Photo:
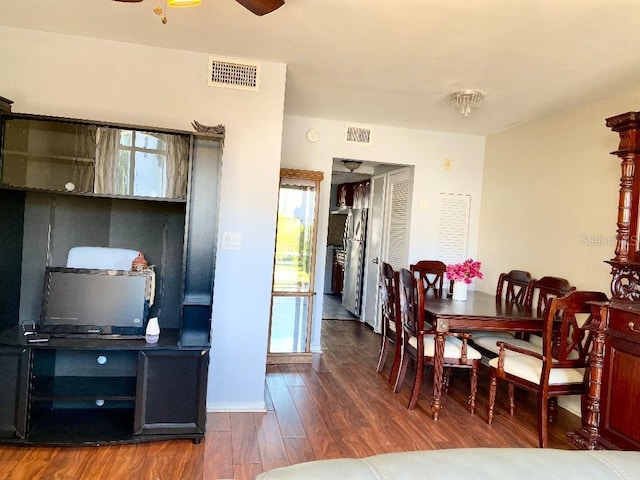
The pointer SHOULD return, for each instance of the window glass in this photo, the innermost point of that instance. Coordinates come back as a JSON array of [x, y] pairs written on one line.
[[142, 168], [149, 174]]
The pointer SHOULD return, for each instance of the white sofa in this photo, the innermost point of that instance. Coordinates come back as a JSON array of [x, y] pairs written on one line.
[[471, 464]]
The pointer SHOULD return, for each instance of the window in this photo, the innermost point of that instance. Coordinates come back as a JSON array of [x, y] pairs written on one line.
[[142, 164]]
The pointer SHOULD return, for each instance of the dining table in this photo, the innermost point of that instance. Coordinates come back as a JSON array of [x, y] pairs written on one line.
[[479, 312]]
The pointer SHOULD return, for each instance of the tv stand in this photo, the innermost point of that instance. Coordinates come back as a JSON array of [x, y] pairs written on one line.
[[54, 196], [92, 391]]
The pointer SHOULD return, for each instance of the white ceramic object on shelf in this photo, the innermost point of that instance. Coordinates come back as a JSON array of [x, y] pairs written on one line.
[[153, 330]]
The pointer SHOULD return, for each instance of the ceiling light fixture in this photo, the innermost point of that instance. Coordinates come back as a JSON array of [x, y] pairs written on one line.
[[465, 100], [159, 10], [351, 164], [183, 3]]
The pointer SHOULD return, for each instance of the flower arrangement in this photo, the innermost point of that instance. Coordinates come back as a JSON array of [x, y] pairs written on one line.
[[465, 271]]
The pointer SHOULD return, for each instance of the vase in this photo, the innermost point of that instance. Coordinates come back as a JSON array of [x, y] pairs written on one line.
[[460, 291]]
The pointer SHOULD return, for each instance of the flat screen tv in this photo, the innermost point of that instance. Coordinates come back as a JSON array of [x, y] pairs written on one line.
[[95, 302]]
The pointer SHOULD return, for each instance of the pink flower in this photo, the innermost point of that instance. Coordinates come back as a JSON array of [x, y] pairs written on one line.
[[464, 272]]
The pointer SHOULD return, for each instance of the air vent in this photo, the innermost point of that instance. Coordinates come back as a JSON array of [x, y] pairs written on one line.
[[229, 73], [356, 134]]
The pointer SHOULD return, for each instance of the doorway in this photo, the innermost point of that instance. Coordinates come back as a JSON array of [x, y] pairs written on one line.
[[387, 236], [293, 289]]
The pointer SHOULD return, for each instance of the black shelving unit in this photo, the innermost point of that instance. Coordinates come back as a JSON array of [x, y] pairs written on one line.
[[94, 390]]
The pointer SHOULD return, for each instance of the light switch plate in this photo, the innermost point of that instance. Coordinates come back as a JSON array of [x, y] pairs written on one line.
[[231, 240]]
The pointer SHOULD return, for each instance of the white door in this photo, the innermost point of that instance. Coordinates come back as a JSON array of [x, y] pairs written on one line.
[[395, 244], [392, 235], [374, 251]]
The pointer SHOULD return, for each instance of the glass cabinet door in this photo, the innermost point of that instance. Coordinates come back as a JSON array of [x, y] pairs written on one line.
[[63, 155], [294, 262], [48, 155]]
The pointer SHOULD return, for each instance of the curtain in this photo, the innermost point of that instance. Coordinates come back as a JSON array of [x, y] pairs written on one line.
[[84, 156], [107, 159], [177, 165]]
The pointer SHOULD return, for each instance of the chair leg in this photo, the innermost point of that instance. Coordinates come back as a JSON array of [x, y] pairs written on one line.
[[474, 388], [553, 409], [417, 383], [397, 360], [383, 353], [446, 380], [512, 398], [401, 372], [492, 396], [542, 420]]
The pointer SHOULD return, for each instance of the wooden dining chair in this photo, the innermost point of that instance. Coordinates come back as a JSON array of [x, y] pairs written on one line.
[[419, 343], [511, 292], [559, 369], [537, 297], [432, 273], [391, 327], [513, 286]]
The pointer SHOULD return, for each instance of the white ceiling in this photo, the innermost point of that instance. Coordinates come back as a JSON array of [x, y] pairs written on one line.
[[392, 62]]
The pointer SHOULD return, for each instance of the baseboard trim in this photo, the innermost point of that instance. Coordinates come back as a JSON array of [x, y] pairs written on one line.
[[237, 407], [285, 358]]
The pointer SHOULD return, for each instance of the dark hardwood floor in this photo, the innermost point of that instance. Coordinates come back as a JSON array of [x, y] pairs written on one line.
[[337, 407]]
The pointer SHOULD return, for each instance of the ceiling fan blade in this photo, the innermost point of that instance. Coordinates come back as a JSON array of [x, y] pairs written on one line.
[[261, 7]]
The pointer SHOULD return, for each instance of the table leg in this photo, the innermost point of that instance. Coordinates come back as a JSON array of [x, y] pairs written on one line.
[[438, 370]]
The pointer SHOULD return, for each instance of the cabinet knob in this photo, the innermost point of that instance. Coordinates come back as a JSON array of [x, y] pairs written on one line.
[[632, 327]]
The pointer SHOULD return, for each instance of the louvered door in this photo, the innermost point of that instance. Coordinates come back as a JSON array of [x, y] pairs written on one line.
[[390, 198], [454, 227], [396, 232]]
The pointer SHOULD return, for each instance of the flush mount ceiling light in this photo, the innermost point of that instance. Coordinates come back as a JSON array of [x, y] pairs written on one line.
[[183, 3], [351, 164], [465, 100]]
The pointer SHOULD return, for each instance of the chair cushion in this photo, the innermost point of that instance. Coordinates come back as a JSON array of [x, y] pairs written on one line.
[[490, 344], [530, 369], [452, 347], [486, 333]]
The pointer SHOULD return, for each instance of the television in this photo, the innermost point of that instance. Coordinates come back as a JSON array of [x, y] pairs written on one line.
[[79, 301]]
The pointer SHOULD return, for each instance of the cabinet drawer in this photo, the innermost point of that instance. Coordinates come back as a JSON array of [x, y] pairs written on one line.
[[624, 323]]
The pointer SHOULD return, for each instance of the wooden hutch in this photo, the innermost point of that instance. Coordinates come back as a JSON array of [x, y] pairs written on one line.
[[609, 417]]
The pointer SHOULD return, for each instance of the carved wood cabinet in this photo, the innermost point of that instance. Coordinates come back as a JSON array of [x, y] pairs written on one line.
[[619, 420], [610, 418]]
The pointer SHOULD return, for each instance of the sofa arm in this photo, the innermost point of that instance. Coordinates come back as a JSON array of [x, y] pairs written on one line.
[[470, 464]]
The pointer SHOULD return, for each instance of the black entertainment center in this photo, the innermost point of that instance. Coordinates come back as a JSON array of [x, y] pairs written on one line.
[[95, 380]]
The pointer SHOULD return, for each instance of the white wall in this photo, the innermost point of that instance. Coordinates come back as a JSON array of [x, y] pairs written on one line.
[[424, 149], [77, 77], [551, 196]]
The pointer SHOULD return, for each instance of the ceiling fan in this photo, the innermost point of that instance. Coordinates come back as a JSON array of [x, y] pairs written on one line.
[[258, 7]]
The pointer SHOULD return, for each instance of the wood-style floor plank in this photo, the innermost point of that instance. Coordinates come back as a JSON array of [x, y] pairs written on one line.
[[218, 457], [283, 405], [273, 453], [244, 439], [338, 406], [99, 464]]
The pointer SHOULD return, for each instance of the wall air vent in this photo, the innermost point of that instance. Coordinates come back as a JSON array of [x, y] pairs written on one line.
[[355, 134], [232, 73]]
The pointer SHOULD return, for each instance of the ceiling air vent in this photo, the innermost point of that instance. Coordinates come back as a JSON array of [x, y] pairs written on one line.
[[356, 134], [231, 73]]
